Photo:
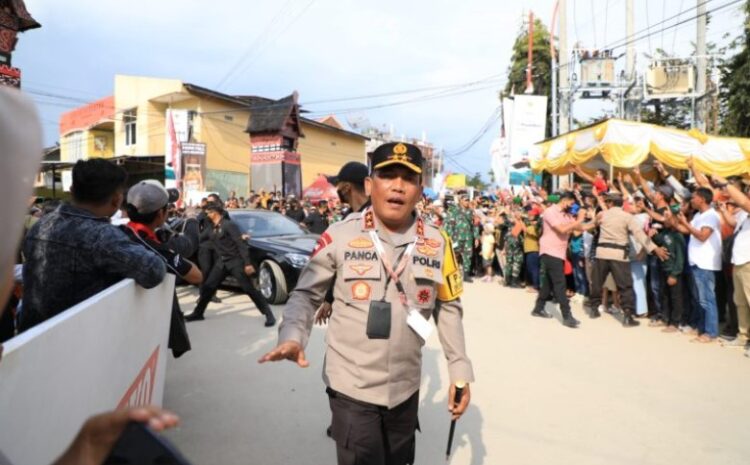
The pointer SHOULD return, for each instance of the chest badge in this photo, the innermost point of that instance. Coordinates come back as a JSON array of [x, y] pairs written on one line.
[[361, 243], [423, 296], [426, 250], [360, 291], [360, 269]]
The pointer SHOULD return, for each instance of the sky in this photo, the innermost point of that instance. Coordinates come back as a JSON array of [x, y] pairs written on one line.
[[333, 49]]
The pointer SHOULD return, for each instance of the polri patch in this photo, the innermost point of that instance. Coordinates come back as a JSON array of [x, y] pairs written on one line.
[[424, 261]]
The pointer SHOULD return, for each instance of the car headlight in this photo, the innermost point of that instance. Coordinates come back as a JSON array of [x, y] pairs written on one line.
[[297, 260]]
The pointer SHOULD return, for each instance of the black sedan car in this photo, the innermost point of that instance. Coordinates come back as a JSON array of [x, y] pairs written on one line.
[[279, 248]]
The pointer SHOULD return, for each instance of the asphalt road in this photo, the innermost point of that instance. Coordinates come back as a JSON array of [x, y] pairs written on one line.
[[544, 394]]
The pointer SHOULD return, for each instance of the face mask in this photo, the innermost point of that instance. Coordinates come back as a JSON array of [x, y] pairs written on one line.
[[342, 195]]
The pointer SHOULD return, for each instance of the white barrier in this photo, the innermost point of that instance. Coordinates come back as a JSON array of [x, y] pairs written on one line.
[[106, 352]]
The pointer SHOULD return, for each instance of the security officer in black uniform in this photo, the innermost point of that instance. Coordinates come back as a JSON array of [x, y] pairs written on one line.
[[234, 259]]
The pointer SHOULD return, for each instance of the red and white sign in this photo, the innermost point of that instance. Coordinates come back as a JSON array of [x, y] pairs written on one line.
[[107, 352]]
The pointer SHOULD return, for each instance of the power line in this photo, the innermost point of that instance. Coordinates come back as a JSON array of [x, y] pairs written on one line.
[[674, 39], [626, 39], [401, 92], [254, 45], [268, 38], [435, 96], [494, 116], [677, 24]]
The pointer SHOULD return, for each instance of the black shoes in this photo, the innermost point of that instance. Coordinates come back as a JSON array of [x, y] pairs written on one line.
[[594, 313], [541, 314], [628, 321], [270, 319], [467, 278], [195, 317], [215, 300], [570, 322]]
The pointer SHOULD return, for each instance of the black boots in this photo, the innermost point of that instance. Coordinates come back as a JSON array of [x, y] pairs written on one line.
[[628, 321]]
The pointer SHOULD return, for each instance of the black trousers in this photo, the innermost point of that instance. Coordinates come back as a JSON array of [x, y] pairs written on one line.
[[221, 270], [623, 280], [672, 302], [207, 257], [368, 434], [552, 282]]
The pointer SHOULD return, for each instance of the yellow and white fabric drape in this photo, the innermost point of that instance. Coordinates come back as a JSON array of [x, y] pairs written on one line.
[[627, 144]]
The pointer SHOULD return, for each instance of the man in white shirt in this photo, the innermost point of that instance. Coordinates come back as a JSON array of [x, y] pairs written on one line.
[[704, 257], [740, 262]]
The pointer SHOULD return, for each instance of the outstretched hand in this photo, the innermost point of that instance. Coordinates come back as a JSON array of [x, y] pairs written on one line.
[[287, 350], [100, 433]]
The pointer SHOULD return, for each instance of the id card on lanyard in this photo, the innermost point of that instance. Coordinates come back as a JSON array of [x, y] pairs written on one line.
[[414, 319]]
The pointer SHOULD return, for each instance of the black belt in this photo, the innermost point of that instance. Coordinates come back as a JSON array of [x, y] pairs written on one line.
[[613, 246], [625, 248]]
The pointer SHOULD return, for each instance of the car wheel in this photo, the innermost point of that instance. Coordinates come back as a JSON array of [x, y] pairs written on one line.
[[271, 282]]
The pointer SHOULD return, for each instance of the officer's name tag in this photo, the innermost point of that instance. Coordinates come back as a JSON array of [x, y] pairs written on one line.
[[417, 322]]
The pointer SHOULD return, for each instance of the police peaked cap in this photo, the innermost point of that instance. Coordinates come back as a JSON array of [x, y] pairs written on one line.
[[397, 153]]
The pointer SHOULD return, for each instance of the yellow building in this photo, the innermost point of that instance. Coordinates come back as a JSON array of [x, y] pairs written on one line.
[[326, 147], [147, 117]]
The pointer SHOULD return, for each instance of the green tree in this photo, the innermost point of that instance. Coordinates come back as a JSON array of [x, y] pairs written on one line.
[[734, 92], [541, 75], [476, 182]]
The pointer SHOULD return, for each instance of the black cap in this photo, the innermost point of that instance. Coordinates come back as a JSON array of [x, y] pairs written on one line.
[[353, 172], [399, 153]]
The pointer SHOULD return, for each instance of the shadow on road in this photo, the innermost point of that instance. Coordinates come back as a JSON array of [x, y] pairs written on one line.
[[434, 420]]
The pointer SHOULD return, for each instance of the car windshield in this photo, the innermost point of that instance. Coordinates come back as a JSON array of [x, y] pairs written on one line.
[[266, 224]]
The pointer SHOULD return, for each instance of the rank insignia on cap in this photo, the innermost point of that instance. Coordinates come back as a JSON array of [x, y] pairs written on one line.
[[392, 153], [429, 273], [360, 291]]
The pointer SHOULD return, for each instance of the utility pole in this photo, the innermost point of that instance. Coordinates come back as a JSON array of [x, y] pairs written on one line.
[[564, 68], [699, 117], [530, 57], [627, 108], [554, 67], [629, 30]]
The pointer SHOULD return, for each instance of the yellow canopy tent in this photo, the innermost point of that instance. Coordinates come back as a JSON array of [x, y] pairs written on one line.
[[626, 144]]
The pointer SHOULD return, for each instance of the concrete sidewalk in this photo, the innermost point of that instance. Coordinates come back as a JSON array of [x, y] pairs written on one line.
[[545, 394]]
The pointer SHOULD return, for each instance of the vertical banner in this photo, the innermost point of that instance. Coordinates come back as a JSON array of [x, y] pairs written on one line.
[[175, 132], [499, 160], [528, 126]]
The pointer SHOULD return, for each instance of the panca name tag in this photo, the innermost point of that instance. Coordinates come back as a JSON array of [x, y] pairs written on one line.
[[417, 322]]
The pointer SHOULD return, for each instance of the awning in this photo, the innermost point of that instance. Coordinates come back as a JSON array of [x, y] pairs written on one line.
[[627, 144], [320, 189]]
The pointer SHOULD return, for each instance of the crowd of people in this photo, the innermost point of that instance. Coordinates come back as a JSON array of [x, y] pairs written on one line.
[[677, 253]]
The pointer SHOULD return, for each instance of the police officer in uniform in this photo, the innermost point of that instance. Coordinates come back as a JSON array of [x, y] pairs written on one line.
[[392, 273], [615, 224]]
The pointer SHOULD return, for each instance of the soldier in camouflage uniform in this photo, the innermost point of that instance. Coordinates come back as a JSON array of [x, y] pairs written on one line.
[[513, 249], [464, 233]]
